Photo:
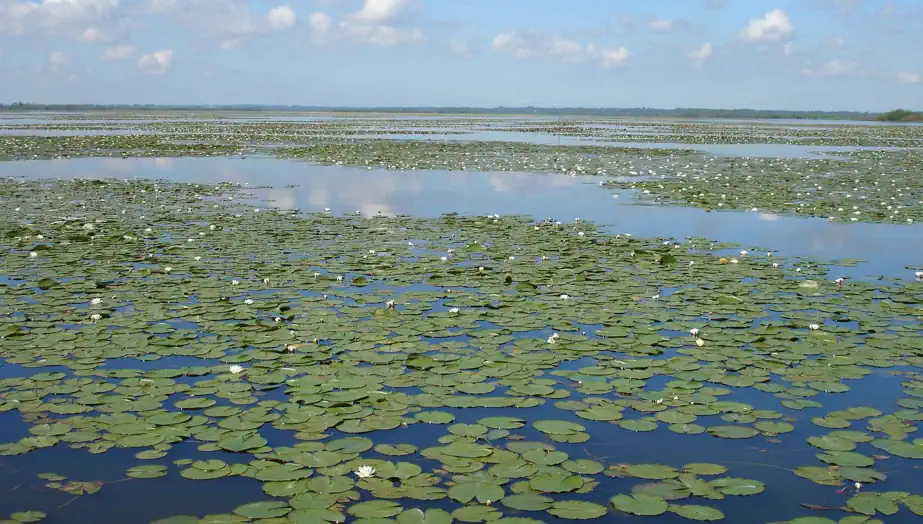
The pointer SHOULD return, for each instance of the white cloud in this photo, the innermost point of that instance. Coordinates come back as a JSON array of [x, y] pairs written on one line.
[[230, 23], [280, 18], [532, 43], [702, 54], [367, 26], [92, 34], [320, 23], [836, 42], [835, 67], [908, 77], [661, 26], [772, 27], [65, 17], [380, 35], [614, 57], [57, 60], [118, 52], [379, 11], [156, 63], [460, 48]]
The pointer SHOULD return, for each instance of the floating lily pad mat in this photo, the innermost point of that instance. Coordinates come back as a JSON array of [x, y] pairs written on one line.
[[454, 369], [844, 173]]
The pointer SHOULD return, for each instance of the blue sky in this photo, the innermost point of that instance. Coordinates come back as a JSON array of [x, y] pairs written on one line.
[[780, 54]]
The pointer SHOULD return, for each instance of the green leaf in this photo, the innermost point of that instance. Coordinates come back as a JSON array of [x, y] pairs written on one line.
[[577, 510], [638, 504], [693, 512]]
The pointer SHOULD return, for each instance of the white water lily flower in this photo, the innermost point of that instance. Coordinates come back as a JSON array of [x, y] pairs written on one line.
[[694, 331], [167, 269], [692, 262], [743, 253], [96, 316], [96, 301], [734, 261], [565, 297], [365, 472], [212, 227], [265, 280], [919, 275], [699, 342], [236, 369], [33, 254], [814, 327], [453, 310], [581, 234], [40, 237], [249, 301], [858, 486], [339, 278], [235, 282], [775, 264], [840, 281], [148, 230], [197, 258]]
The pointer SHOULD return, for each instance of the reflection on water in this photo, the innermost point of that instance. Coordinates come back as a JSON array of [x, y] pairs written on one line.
[[888, 248]]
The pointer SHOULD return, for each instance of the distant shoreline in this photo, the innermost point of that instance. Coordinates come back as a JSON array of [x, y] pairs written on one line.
[[700, 113]]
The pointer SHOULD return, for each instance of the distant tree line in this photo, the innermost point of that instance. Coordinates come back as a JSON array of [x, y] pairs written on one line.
[[901, 115], [530, 110]]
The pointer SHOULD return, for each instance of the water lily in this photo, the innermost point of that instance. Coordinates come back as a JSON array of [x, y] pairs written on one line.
[[249, 301], [96, 301], [743, 253], [33, 254], [235, 282], [291, 348], [212, 227], [734, 261], [453, 310], [96, 316], [365, 472], [265, 280], [167, 269], [564, 297], [236, 369], [814, 327], [694, 331], [919, 275], [390, 305], [339, 278], [699, 342], [840, 281]]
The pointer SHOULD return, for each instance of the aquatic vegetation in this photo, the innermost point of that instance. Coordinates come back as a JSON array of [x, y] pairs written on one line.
[[662, 162], [355, 369]]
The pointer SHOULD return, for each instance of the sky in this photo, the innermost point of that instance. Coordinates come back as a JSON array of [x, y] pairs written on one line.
[[780, 54]]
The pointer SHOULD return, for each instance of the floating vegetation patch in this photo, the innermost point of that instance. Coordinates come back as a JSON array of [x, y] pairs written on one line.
[[649, 157], [454, 369]]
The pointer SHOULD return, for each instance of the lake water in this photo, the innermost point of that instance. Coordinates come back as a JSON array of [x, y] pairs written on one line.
[[889, 249], [309, 188]]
